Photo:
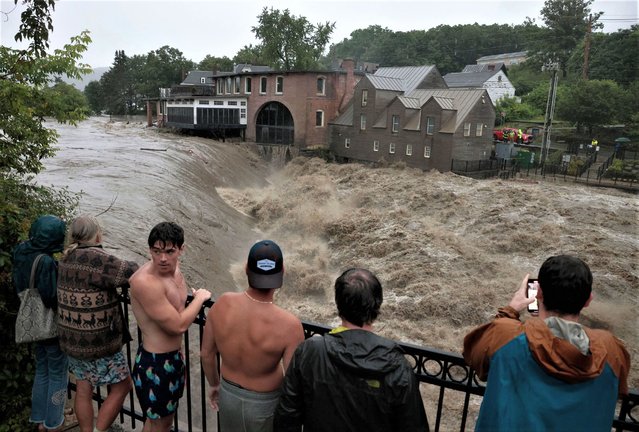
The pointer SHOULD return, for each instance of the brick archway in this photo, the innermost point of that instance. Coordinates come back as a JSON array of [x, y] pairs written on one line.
[[274, 125]]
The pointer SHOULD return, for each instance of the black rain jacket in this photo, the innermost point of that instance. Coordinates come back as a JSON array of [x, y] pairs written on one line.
[[351, 381]]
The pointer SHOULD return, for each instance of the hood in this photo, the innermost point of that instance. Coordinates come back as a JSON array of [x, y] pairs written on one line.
[[562, 359], [47, 234], [362, 350]]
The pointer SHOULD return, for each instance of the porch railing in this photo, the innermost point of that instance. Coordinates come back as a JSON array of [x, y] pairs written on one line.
[[442, 373]]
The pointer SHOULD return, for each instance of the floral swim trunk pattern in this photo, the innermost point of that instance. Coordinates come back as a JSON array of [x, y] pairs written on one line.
[[159, 381], [103, 371]]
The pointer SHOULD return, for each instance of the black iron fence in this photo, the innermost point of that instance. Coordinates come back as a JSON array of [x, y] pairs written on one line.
[[444, 374]]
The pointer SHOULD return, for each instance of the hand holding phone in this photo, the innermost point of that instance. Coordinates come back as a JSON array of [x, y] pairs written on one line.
[[531, 292]]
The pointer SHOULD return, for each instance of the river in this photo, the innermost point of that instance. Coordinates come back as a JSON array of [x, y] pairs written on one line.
[[135, 177]]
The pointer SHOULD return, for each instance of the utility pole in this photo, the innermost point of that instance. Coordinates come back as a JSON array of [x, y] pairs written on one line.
[[587, 49], [550, 109]]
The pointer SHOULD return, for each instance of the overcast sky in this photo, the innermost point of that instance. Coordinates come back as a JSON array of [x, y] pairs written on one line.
[[221, 27]]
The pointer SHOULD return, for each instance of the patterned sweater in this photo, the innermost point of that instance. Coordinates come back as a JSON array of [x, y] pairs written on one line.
[[90, 321]]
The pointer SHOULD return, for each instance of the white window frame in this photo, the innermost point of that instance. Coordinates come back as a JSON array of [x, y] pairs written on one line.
[[395, 124], [409, 149], [248, 85], [219, 86], [430, 125], [322, 80], [375, 145], [321, 114], [391, 148], [237, 85], [479, 129], [229, 85], [364, 97], [362, 122], [279, 85], [263, 85], [427, 151], [467, 127], [347, 143], [202, 80]]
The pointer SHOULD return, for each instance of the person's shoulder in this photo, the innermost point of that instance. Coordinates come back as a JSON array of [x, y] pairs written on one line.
[[144, 281], [288, 318]]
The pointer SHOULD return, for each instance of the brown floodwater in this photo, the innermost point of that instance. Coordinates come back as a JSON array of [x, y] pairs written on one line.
[[449, 250]]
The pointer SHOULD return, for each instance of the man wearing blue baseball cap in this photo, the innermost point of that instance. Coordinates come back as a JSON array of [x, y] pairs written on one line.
[[255, 339]]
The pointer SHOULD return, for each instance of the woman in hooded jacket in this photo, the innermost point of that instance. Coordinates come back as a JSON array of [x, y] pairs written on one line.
[[48, 397]]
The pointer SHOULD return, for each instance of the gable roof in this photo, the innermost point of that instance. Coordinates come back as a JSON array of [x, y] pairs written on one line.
[[505, 56], [460, 100], [245, 67], [194, 77], [386, 83], [485, 67], [467, 79], [411, 76]]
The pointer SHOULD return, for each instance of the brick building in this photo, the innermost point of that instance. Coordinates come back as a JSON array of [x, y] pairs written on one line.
[[258, 104]]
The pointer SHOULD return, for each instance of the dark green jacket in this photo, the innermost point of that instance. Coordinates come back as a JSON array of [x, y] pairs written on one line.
[[46, 236]]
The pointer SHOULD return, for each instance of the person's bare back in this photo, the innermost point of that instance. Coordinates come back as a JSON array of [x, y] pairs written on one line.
[[255, 340]]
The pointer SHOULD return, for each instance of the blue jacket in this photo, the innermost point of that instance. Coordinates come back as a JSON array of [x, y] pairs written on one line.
[[46, 236], [537, 381]]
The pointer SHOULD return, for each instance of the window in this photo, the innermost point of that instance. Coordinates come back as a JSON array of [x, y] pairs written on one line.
[[347, 142], [430, 125], [321, 85], [263, 85], [232, 103], [479, 130], [364, 97], [319, 118], [236, 89], [391, 148], [202, 80], [243, 103], [229, 83], [499, 78], [395, 127], [279, 85], [247, 85], [218, 102], [220, 86], [243, 113], [362, 122], [203, 102], [466, 129], [409, 149], [375, 145], [427, 151]]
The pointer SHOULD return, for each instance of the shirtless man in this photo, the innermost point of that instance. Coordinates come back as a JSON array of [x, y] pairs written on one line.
[[158, 298], [256, 341]]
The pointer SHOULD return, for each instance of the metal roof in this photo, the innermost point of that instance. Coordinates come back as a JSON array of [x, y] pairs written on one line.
[[503, 56], [460, 100], [386, 83], [409, 102], [411, 76], [244, 68], [346, 118], [486, 67], [468, 79]]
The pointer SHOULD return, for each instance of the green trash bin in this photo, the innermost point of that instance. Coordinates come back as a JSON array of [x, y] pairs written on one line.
[[525, 158]]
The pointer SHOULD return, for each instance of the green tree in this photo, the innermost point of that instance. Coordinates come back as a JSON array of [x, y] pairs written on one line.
[[590, 103], [216, 64], [117, 86], [250, 54], [95, 97], [161, 68], [66, 98], [567, 23], [290, 42], [24, 141]]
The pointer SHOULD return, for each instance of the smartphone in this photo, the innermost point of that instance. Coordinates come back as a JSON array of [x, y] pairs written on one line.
[[530, 293]]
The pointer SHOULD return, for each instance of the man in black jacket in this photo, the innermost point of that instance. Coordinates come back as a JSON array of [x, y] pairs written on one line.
[[351, 379]]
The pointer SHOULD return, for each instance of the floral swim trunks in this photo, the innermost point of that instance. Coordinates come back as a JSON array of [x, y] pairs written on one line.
[[159, 381], [103, 371]]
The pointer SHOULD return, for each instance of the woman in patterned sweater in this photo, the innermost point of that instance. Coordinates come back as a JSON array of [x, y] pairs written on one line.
[[91, 326]]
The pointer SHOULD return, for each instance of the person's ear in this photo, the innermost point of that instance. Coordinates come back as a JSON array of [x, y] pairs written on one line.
[[588, 301], [246, 268]]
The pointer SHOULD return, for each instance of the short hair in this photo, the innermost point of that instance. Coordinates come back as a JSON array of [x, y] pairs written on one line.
[[358, 295], [166, 232], [566, 283]]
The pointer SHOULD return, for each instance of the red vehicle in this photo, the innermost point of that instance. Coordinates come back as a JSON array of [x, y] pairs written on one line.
[[498, 135]]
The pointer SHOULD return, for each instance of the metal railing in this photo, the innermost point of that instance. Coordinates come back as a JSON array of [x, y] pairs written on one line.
[[446, 372]]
